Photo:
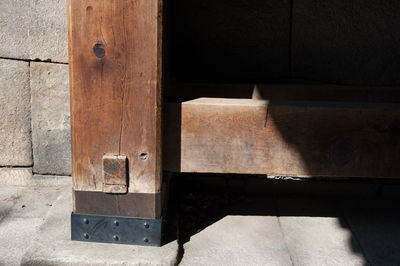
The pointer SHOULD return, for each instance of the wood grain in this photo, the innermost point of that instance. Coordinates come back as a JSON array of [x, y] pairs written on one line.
[[115, 80], [247, 136]]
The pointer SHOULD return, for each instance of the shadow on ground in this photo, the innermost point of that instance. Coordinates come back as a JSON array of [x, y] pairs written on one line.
[[198, 201]]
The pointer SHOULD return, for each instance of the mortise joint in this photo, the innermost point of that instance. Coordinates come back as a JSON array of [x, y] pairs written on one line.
[[115, 174]]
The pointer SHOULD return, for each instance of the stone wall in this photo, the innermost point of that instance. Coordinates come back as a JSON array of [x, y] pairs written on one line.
[[34, 92]]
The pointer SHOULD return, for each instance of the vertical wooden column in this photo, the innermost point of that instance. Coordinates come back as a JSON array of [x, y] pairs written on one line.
[[115, 81]]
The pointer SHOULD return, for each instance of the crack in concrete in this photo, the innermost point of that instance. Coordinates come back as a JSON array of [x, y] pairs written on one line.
[[122, 121], [282, 233]]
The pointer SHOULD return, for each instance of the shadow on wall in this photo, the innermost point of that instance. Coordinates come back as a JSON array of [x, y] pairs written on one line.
[[349, 42]]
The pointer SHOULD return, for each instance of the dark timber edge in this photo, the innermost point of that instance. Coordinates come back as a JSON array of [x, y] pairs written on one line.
[[146, 205]]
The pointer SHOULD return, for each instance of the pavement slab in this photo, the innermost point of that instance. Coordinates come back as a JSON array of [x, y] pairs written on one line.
[[15, 237], [320, 241], [238, 240], [316, 232], [35, 230], [30, 202], [22, 211]]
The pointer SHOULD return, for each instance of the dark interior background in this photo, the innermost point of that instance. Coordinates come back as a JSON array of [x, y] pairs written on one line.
[[349, 42]]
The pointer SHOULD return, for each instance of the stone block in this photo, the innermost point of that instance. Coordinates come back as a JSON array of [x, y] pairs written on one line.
[[34, 30], [15, 143], [50, 181], [50, 119], [15, 176], [22, 177], [48, 36], [320, 241], [14, 28]]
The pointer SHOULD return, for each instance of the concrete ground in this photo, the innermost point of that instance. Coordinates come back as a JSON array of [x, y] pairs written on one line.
[[221, 226]]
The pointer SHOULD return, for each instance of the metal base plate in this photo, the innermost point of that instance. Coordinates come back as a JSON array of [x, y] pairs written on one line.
[[117, 230]]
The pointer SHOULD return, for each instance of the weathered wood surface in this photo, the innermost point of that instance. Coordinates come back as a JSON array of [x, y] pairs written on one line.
[[245, 136], [115, 79]]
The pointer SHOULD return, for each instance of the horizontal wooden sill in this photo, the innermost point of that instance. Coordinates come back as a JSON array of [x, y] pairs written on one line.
[[245, 136]]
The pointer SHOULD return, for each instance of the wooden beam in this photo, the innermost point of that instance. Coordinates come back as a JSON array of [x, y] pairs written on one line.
[[115, 80], [244, 136]]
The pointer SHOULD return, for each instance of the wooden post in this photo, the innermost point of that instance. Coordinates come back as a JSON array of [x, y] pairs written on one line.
[[115, 82]]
